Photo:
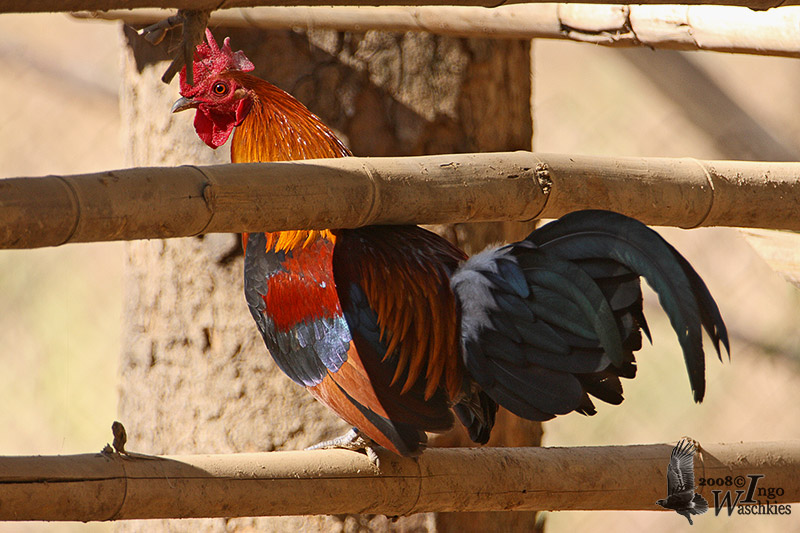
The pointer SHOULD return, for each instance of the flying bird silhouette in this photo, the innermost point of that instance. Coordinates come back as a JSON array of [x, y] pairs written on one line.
[[681, 497]]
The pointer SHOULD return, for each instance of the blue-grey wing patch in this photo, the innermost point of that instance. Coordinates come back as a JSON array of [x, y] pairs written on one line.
[[306, 351]]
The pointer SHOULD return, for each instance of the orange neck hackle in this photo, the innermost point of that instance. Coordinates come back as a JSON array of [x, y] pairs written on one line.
[[293, 239], [280, 128]]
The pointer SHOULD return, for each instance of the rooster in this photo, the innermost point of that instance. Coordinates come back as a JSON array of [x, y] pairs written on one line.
[[397, 331]]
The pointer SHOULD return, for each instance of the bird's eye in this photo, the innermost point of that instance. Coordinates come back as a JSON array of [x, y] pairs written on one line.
[[220, 88]]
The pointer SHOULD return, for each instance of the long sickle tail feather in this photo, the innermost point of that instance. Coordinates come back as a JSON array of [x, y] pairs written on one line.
[[682, 293], [556, 317]]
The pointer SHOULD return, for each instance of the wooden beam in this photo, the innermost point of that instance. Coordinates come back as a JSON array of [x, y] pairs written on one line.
[[715, 28], [150, 203], [114, 487], [31, 6]]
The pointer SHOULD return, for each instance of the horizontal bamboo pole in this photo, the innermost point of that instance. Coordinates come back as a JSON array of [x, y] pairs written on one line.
[[714, 28], [31, 6], [147, 203], [113, 487]]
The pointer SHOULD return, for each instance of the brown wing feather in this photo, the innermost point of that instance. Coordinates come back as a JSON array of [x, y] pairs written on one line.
[[359, 392], [404, 273], [335, 398], [358, 378]]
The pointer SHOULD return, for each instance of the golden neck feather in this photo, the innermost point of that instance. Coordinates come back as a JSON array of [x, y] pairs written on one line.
[[293, 239], [280, 128]]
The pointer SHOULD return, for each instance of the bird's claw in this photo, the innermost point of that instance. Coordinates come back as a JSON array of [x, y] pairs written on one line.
[[352, 440]]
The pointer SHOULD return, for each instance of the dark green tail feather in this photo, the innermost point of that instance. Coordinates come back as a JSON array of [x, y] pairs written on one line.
[[682, 293], [582, 270]]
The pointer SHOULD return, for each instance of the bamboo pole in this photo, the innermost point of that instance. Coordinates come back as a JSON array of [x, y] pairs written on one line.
[[699, 27], [148, 203], [118, 487], [32, 6]]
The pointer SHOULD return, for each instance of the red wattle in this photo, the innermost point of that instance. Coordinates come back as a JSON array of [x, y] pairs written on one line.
[[213, 128]]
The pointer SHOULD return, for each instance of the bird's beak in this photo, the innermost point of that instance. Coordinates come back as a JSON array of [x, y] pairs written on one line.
[[183, 103]]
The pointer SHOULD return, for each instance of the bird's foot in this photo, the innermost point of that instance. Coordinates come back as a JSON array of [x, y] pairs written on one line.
[[352, 440]]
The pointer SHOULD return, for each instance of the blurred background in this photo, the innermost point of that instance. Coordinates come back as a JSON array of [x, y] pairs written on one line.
[[60, 322]]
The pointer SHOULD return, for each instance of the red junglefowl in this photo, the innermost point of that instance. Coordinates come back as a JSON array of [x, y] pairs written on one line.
[[395, 329]]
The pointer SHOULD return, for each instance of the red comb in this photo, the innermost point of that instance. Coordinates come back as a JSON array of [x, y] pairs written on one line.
[[210, 59]]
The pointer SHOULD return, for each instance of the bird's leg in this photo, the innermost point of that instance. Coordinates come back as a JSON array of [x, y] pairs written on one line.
[[352, 440]]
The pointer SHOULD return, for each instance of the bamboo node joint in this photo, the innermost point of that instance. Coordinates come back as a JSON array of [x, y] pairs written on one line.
[[210, 196]]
